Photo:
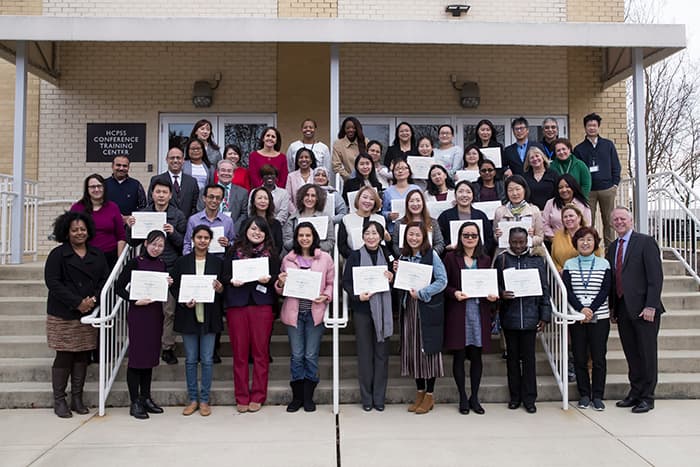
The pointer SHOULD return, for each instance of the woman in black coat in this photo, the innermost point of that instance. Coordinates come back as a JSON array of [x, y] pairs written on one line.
[[75, 273], [463, 210], [198, 322], [365, 174]]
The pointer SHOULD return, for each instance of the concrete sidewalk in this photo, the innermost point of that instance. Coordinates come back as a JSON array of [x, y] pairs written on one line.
[[667, 436]]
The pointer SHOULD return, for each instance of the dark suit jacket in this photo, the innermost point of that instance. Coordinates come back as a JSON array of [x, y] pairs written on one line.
[[238, 205], [511, 158], [186, 200], [642, 274], [185, 318]]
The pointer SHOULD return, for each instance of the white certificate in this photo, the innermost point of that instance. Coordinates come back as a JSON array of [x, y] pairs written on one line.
[[370, 279], [505, 227], [214, 245], [250, 270], [356, 238], [412, 276], [329, 208], [146, 222], [402, 233], [320, 223], [469, 175], [479, 282], [197, 287], [523, 282], [420, 166], [454, 230], [149, 284], [435, 208], [302, 283], [399, 205], [487, 207], [351, 200], [492, 154]]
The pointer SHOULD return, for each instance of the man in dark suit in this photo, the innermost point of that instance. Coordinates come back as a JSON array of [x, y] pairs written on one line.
[[185, 189], [235, 202], [514, 155], [635, 301]]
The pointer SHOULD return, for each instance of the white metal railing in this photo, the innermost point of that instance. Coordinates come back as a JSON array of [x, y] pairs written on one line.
[[336, 321], [110, 318], [31, 217], [673, 208], [555, 337]]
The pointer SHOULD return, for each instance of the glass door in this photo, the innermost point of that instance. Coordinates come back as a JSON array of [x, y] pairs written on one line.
[[244, 131]]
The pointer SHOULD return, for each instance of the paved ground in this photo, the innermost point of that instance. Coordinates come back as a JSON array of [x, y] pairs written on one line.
[[667, 436]]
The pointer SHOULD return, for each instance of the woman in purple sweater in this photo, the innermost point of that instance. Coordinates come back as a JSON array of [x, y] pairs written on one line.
[[110, 236]]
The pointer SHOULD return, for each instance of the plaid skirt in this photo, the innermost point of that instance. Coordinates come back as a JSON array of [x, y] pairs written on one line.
[[70, 335]]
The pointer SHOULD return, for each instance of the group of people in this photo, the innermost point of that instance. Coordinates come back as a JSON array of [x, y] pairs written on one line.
[[218, 212]]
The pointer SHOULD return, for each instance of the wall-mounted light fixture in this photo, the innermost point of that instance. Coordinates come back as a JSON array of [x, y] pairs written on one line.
[[203, 91], [457, 10], [469, 95]]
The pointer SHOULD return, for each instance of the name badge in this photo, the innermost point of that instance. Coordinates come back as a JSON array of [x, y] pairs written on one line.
[[261, 288], [227, 213], [594, 169]]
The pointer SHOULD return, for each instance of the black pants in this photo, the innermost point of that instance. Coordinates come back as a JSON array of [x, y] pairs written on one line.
[[638, 339], [138, 380], [590, 338], [473, 354], [66, 359], [522, 375], [372, 361]]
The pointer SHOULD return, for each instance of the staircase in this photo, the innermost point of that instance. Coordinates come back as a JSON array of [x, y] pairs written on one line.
[[25, 359]]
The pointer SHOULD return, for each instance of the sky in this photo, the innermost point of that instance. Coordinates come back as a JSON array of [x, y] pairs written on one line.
[[685, 12]]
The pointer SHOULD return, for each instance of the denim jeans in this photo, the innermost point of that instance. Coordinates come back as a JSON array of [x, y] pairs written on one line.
[[305, 343], [198, 346]]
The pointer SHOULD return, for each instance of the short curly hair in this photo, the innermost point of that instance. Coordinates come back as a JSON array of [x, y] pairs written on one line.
[[61, 226]]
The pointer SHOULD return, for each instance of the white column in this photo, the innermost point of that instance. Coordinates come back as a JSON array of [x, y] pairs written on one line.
[[335, 99], [641, 213], [17, 232]]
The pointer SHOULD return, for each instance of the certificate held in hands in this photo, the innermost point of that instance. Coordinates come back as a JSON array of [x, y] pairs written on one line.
[[479, 282], [523, 282], [302, 283], [369, 279], [250, 270], [149, 285], [146, 222], [214, 245], [414, 276], [199, 288]]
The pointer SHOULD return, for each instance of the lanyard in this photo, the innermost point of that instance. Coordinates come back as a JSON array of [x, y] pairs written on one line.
[[590, 272]]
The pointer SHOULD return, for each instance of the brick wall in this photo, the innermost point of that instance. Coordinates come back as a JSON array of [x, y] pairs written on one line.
[[307, 8], [244, 8]]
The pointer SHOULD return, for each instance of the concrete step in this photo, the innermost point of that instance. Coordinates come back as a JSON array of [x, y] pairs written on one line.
[[669, 339], [400, 391], [34, 270], [681, 300], [25, 306], [23, 288], [38, 369], [673, 268], [680, 284], [21, 325]]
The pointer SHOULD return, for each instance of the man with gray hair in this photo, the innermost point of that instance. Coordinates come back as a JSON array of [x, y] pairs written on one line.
[[235, 202]]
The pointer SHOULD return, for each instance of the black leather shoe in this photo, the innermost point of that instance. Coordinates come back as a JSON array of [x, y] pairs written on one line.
[[216, 358], [138, 411], [531, 408], [512, 405], [463, 405], [168, 356], [379, 408], [627, 402], [367, 408], [150, 406], [643, 407], [476, 406]]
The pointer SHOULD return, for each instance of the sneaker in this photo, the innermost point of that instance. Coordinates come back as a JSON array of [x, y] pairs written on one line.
[[598, 405], [584, 402]]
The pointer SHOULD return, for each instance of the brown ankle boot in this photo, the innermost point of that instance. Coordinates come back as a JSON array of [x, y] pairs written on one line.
[[419, 398], [426, 404]]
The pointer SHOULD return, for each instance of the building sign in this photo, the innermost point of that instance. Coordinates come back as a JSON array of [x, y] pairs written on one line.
[[106, 140]]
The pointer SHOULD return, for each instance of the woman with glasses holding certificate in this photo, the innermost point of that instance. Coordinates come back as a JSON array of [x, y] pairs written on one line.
[[468, 318], [422, 317], [145, 320], [310, 274], [370, 300], [250, 269], [198, 320]]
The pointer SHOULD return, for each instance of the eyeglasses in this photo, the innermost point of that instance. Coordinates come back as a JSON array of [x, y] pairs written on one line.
[[214, 197], [486, 171], [400, 168], [194, 149], [470, 235], [520, 128], [550, 127], [95, 187]]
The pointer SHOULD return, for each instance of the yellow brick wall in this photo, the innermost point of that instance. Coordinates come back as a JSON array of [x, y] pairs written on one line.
[[585, 10], [218, 8], [307, 8], [412, 79]]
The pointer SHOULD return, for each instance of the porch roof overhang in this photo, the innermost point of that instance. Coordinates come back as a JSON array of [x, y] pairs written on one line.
[[46, 33]]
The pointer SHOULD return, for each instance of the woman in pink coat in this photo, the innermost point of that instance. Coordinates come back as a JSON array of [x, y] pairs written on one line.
[[304, 317]]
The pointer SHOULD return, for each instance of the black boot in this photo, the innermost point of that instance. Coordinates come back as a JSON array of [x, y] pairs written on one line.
[[59, 381], [309, 387], [77, 382], [138, 411], [297, 395], [150, 406]]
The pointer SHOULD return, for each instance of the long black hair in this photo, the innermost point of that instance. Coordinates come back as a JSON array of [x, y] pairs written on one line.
[[85, 200], [575, 187], [459, 248], [245, 246], [296, 247]]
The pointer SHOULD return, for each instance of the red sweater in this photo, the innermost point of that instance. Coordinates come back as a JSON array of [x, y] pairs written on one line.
[[257, 160]]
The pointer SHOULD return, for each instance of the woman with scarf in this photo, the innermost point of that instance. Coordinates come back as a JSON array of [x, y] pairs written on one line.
[[372, 315], [517, 208]]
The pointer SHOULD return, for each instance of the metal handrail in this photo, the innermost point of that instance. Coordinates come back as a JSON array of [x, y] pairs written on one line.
[[555, 336], [31, 217], [335, 323]]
